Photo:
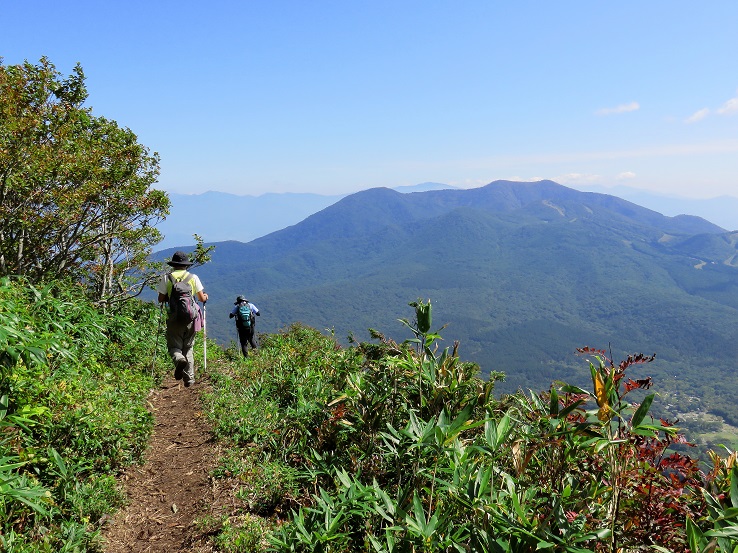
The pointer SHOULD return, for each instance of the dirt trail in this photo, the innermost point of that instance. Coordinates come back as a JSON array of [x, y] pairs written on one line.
[[172, 489]]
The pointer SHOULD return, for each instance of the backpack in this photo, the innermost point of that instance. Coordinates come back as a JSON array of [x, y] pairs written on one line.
[[244, 315], [182, 306]]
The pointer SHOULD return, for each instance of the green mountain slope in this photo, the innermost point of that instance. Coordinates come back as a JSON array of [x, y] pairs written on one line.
[[523, 273]]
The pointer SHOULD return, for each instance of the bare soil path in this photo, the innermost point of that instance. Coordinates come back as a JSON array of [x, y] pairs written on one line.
[[172, 489]]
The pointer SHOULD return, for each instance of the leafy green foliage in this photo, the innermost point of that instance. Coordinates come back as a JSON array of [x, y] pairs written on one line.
[[402, 447], [73, 384], [75, 196], [721, 497], [245, 533]]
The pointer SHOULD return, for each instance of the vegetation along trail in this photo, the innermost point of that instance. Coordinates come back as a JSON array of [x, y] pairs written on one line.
[[169, 491]]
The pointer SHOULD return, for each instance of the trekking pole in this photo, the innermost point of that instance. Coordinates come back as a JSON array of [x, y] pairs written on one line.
[[204, 336], [156, 342]]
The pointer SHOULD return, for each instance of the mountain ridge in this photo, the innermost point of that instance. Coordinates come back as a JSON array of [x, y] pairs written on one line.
[[222, 216], [270, 212], [382, 207], [720, 210]]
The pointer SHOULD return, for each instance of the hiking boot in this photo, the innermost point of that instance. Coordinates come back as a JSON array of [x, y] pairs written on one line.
[[188, 383], [180, 365]]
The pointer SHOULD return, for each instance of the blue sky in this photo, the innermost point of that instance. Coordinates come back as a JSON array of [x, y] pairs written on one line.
[[334, 97]]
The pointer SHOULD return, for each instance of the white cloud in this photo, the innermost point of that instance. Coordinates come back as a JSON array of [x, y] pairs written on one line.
[[697, 116], [469, 183], [577, 178], [622, 108], [729, 107], [626, 175]]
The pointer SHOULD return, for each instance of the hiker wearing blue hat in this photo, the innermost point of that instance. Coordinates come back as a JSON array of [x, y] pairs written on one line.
[[179, 288]]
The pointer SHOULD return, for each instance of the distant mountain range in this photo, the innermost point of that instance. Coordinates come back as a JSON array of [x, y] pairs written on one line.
[[218, 216], [523, 273]]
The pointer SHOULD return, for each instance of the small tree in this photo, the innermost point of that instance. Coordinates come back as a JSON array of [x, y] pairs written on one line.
[[75, 190]]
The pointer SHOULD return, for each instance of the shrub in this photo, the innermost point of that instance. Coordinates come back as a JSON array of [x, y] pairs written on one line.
[[73, 383]]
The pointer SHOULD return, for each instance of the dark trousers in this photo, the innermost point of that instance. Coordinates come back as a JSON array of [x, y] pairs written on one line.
[[246, 335]]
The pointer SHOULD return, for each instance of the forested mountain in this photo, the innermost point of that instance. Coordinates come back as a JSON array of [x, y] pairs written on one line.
[[221, 216], [523, 273]]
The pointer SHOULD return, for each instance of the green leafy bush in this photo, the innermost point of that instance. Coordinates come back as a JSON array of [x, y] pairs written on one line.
[[402, 447], [73, 383]]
